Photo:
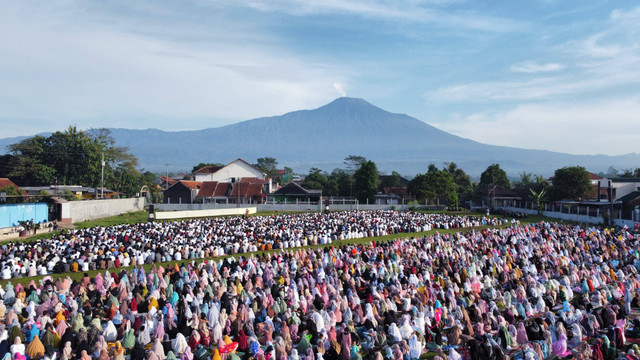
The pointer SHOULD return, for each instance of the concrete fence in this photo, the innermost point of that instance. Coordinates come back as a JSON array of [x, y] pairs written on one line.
[[574, 217], [184, 214], [77, 211], [296, 207]]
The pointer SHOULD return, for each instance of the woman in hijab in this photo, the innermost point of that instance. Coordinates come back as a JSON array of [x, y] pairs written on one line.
[[17, 347], [179, 344], [138, 352], [35, 348], [66, 351], [4, 348], [158, 349], [117, 351], [334, 351]]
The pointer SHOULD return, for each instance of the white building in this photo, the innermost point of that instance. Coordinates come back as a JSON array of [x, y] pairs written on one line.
[[229, 173]]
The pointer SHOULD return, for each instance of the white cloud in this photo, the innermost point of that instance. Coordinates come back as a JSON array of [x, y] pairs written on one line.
[[604, 61], [85, 69], [609, 126], [406, 10], [533, 67]]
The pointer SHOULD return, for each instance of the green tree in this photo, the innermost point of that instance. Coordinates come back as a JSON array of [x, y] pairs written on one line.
[[354, 162], [435, 186], [267, 165], [288, 175], [460, 178], [344, 182], [7, 161], [527, 180], [612, 172], [29, 167], [71, 157], [494, 175], [11, 195], [627, 173], [365, 182], [393, 180], [316, 180], [538, 197], [571, 182]]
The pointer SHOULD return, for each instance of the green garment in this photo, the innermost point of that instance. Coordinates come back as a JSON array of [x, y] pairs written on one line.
[[33, 297], [96, 323], [48, 339], [303, 345], [15, 332], [78, 323], [129, 340]]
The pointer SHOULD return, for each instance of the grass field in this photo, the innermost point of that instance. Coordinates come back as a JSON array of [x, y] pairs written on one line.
[[142, 216]]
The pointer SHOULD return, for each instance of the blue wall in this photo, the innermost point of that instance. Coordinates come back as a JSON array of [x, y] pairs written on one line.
[[10, 214]]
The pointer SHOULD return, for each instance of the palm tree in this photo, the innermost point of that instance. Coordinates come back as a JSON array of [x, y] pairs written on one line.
[[538, 198]]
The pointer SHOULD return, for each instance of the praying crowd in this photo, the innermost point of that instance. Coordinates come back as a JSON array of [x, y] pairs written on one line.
[[534, 292], [125, 245]]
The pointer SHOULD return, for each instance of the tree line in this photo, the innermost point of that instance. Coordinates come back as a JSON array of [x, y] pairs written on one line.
[[449, 185], [74, 157]]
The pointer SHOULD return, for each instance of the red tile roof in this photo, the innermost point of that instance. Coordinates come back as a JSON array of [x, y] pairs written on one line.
[[395, 190], [593, 176], [4, 182], [214, 189], [254, 181], [168, 179], [207, 169], [191, 184], [246, 190]]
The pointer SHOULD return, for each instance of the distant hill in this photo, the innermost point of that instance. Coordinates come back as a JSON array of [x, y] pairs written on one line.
[[347, 126]]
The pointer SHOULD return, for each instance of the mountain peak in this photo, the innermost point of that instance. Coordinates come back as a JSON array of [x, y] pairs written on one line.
[[348, 102], [351, 108]]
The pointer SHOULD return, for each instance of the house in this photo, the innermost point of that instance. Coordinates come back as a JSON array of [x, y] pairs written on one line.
[[182, 192], [393, 195], [623, 186], [214, 192], [229, 173], [246, 193], [631, 206], [166, 182], [497, 196], [402, 182], [5, 182], [293, 193], [77, 191]]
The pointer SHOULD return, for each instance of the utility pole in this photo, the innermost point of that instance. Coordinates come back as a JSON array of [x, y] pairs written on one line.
[[166, 179], [102, 178]]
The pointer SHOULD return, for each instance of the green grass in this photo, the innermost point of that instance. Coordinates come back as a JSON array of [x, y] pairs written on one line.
[[128, 218], [142, 216]]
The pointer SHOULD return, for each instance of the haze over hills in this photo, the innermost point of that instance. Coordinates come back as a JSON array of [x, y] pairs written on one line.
[[323, 137]]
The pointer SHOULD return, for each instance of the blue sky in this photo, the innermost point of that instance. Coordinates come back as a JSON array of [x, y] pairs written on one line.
[[548, 74]]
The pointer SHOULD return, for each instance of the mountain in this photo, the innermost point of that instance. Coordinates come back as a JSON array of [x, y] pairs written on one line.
[[323, 137]]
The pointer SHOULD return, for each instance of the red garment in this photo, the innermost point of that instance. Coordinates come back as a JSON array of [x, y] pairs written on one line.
[[242, 340]]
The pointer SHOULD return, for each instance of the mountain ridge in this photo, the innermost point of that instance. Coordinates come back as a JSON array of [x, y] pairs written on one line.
[[324, 136]]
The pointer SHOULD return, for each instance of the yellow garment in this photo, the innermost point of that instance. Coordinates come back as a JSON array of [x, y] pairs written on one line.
[[216, 355], [153, 302], [35, 348], [59, 317]]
